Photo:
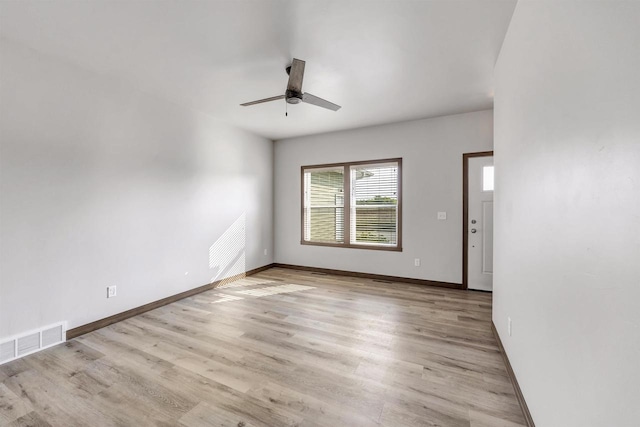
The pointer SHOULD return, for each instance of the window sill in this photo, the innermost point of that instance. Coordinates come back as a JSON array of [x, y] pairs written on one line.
[[352, 246]]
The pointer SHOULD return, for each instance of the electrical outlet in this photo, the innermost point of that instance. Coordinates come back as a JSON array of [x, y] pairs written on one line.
[[509, 325], [416, 262], [265, 251], [111, 291], [442, 215]]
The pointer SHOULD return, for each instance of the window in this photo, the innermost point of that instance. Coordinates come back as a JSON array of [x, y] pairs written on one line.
[[324, 205], [487, 178], [372, 217]]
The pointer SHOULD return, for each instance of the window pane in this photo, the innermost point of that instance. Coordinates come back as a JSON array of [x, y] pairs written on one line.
[[324, 205], [487, 178], [374, 204]]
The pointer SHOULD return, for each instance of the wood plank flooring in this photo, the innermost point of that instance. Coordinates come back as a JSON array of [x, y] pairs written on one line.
[[280, 348]]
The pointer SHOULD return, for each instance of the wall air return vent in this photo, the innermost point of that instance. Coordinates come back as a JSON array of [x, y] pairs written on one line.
[[28, 344], [7, 351], [32, 341], [53, 335]]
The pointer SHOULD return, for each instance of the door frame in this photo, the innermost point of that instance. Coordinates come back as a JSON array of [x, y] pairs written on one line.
[[465, 213]]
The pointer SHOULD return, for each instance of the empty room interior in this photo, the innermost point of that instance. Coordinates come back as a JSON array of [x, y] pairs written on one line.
[[320, 213]]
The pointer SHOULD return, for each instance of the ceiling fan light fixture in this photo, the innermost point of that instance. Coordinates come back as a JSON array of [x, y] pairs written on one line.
[[293, 97]]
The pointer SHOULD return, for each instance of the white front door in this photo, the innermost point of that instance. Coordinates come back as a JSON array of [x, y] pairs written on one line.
[[480, 226]]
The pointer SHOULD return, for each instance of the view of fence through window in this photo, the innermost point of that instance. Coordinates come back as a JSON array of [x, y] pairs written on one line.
[[372, 191]]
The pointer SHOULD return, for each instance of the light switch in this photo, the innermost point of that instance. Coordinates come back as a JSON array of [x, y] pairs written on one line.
[[442, 215]]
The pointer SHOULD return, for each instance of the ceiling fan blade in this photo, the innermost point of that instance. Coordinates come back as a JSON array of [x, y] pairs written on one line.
[[296, 73], [260, 101], [312, 99]]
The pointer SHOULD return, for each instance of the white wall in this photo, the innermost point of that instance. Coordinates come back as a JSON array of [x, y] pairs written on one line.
[[101, 184], [432, 181], [567, 209]]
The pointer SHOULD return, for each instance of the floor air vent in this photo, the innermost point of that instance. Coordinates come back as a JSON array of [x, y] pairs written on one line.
[[30, 342]]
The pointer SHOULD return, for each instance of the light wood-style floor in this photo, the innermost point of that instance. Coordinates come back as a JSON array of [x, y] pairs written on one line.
[[332, 351]]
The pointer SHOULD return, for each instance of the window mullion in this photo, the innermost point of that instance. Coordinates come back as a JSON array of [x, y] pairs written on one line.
[[347, 205]]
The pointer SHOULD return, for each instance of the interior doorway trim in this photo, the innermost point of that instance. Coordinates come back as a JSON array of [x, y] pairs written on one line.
[[465, 212]]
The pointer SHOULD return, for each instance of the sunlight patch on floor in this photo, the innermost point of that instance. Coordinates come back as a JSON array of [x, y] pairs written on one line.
[[273, 290], [245, 282], [225, 298]]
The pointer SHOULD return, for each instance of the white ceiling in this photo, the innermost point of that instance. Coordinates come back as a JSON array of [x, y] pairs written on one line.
[[383, 61]]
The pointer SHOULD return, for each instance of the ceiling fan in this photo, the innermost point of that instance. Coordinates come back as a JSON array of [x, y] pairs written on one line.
[[294, 94]]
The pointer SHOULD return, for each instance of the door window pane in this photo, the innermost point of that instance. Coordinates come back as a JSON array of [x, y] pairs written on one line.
[[487, 178]]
